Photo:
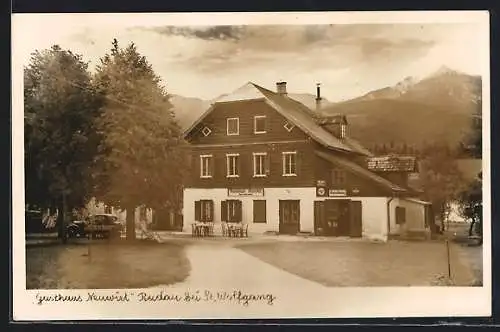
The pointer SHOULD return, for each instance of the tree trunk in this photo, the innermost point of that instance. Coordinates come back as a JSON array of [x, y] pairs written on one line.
[[64, 220], [471, 228], [130, 222]]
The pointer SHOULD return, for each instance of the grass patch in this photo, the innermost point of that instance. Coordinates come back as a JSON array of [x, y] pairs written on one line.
[[110, 265], [356, 264]]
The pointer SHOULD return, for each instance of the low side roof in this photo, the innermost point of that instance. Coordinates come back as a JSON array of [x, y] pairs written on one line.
[[361, 171]]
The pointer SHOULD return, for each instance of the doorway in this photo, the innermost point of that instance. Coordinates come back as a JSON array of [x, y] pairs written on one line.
[[289, 216], [332, 217]]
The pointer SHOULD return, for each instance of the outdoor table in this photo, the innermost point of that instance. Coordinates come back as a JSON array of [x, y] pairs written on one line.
[[203, 229], [234, 229]]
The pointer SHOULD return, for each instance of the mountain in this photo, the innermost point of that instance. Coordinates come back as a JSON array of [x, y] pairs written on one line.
[[188, 109], [309, 100], [437, 108], [445, 87]]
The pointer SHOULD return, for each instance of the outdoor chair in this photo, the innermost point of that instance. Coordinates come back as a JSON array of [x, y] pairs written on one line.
[[225, 231], [195, 230], [244, 230]]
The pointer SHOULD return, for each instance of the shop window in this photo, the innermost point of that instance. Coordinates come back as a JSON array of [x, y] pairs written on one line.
[[231, 210], [204, 210]]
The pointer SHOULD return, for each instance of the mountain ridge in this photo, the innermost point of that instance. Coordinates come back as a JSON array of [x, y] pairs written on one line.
[[438, 107]]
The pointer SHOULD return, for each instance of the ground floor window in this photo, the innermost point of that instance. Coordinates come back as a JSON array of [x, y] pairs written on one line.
[[400, 215], [231, 210], [259, 211], [204, 210]]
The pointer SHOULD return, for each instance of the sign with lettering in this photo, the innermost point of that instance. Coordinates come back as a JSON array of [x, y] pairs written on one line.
[[246, 192], [337, 192]]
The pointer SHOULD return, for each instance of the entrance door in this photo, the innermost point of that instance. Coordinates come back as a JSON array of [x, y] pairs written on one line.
[[289, 217], [336, 220], [356, 219]]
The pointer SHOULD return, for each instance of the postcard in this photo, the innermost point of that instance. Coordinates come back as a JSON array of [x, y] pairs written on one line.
[[251, 165]]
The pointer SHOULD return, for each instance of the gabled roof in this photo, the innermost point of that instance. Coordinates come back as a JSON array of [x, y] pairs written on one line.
[[294, 111], [361, 171]]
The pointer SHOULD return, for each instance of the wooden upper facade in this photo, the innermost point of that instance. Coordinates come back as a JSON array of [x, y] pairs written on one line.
[[257, 138]]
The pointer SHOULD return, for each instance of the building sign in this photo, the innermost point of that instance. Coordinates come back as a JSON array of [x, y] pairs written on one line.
[[321, 191], [337, 192], [246, 192]]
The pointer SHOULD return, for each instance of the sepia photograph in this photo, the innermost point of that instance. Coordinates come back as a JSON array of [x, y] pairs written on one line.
[[264, 165]]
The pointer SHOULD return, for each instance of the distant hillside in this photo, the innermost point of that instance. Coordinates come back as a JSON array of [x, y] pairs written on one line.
[[438, 108], [309, 100], [187, 109]]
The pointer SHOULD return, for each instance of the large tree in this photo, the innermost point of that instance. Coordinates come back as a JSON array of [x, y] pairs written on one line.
[[471, 205], [142, 161], [60, 139], [441, 179]]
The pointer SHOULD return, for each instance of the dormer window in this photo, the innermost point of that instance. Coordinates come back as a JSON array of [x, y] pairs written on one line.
[[233, 126], [206, 131], [259, 124], [289, 126]]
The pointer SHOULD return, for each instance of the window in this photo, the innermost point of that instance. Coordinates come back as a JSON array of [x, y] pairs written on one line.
[[259, 211], [204, 210], [206, 165], [231, 210], [400, 215], [259, 124], [233, 167], [338, 177], [233, 126], [259, 164], [288, 126], [289, 163], [206, 131]]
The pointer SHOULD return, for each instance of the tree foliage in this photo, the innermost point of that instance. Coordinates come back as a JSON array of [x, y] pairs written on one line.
[[471, 205], [141, 160], [441, 179], [60, 138]]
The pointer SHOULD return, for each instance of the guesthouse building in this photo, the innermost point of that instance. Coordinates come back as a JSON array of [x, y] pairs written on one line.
[[262, 158]]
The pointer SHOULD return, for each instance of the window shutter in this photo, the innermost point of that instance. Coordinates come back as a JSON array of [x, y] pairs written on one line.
[[238, 163], [259, 211], [239, 211], [268, 164], [212, 166], [223, 211], [211, 217], [297, 163], [197, 210]]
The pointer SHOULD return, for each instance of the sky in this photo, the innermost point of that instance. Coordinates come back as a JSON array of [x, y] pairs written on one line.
[[207, 58]]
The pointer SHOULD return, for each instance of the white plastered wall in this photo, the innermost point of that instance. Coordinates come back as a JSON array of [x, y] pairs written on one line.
[[272, 197], [415, 216]]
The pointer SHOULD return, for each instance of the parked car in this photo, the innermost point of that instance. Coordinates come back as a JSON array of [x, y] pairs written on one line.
[[98, 225]]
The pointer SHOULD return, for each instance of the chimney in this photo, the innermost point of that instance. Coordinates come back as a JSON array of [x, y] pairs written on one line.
[[281, 88], [318, 96]]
